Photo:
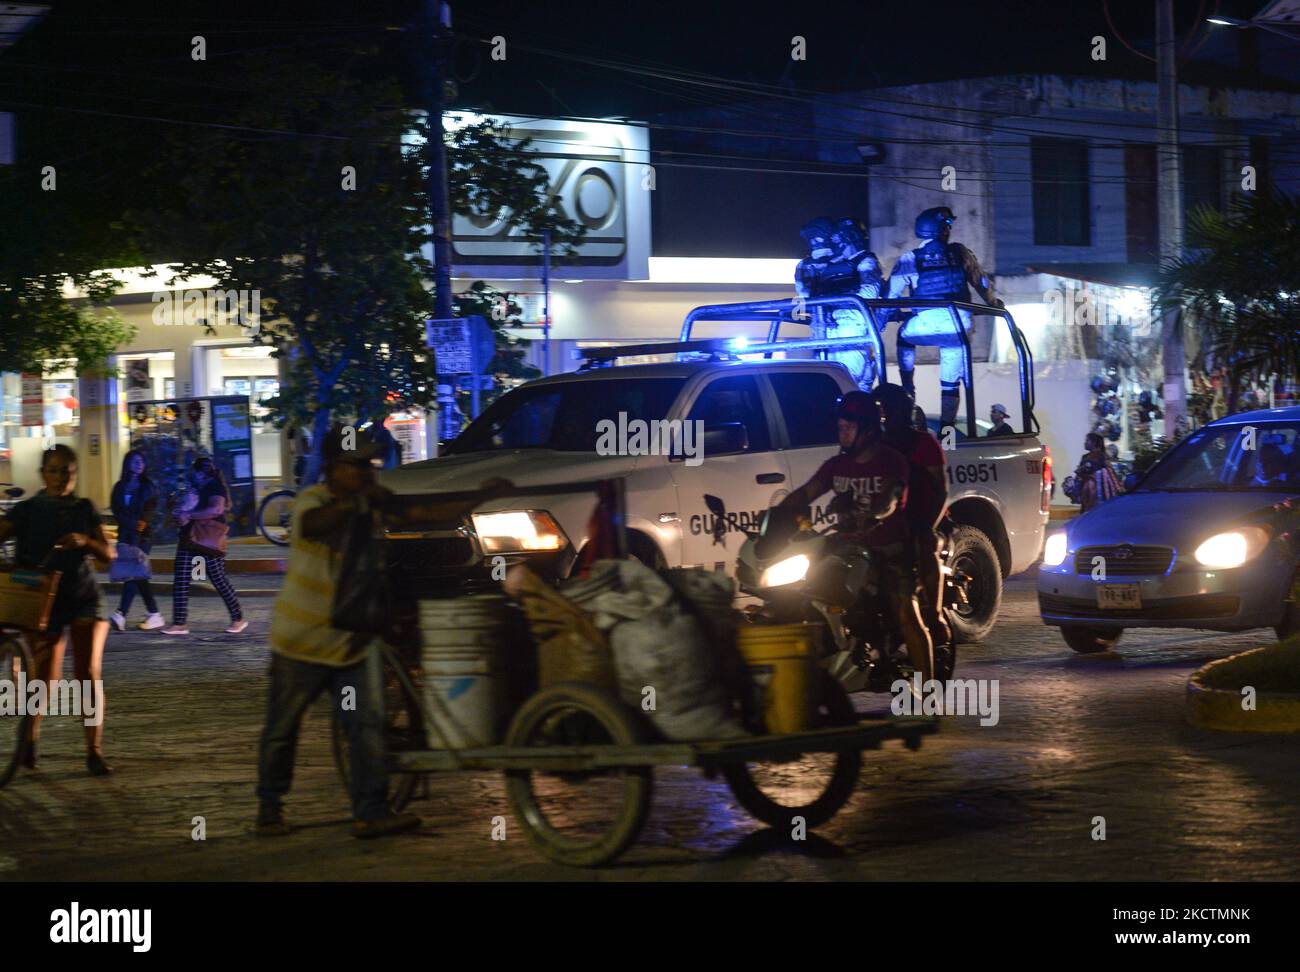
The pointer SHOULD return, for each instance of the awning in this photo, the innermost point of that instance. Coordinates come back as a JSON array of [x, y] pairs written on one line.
[[1110, 274]]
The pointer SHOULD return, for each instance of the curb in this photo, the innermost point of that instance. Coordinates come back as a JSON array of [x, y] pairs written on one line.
[[1215, 708], [233, 566], [197, 590]]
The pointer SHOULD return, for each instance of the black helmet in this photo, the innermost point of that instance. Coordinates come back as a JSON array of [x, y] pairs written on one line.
[[851, 233], [894, 401], [858, 406], [817, 233], [931, 223]]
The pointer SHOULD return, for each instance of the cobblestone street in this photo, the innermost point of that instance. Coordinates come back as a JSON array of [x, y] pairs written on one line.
[[1077, 738]]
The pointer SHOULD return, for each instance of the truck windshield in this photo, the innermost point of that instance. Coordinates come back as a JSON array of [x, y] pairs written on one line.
[[1265, 456], [563, 416]]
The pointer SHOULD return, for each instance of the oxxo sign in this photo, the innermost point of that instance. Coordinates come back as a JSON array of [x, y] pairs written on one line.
[[596, 174]]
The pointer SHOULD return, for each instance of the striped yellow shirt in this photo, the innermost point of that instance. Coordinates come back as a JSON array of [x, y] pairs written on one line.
[[300, 622]]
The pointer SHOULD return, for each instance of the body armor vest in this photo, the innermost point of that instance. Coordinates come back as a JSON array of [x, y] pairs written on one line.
[[940, 273]]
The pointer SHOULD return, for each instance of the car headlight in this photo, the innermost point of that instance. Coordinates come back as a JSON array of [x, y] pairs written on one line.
[[517, 531], [783, 572], [1232, 549], [1054, 550]]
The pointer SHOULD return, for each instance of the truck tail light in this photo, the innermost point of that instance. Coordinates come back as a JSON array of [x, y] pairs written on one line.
[[1045, 505]]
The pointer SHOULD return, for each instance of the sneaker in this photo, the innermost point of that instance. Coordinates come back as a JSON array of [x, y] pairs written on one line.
[[394, 823], [271, 823], [151, 622], [175, 629], [237, 626], [117, 620], [96, 766]]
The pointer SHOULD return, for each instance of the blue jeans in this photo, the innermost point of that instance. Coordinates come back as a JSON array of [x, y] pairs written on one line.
[[295, 685]]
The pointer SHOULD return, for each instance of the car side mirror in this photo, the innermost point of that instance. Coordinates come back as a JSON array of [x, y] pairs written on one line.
[[725, 437]]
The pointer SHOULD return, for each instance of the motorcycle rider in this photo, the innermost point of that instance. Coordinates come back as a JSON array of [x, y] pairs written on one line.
[[872, 478], [938, 270], [927, 495], [839, 263]]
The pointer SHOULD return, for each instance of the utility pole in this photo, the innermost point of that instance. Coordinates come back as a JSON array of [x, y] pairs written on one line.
[[1169, 194], [437, 29], [437, 15]]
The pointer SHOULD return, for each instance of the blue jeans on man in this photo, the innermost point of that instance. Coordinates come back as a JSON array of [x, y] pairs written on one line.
[[358, 705]]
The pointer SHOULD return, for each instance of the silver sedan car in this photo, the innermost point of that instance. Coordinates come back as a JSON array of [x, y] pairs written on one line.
[[1208, 538]]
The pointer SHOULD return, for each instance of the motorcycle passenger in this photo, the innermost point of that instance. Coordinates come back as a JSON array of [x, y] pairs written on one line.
[[927, 495], [871, 478], [938, 270]]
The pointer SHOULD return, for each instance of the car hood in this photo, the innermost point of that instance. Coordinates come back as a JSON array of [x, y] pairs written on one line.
[[523, 467], [1167, 519]]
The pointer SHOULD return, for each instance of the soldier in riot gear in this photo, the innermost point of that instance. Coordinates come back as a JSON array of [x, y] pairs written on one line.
[[850, 268], [938, 270]]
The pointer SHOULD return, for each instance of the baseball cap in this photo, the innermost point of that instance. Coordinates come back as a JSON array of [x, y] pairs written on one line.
[[1001, 409], [364, 448]]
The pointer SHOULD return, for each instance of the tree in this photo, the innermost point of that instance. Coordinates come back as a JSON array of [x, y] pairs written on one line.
[[312, 201], [507, 367], [58, 230], [492, 175], [315, 197], [1239, 285]]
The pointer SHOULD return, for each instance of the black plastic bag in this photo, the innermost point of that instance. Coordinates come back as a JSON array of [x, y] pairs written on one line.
[[362, 596]]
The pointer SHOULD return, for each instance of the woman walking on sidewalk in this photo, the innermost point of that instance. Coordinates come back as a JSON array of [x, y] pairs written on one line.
[[200, 542], [134, 500], [57, 529]]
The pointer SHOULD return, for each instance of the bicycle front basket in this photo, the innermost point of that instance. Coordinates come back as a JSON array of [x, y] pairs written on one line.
[[26, 597]]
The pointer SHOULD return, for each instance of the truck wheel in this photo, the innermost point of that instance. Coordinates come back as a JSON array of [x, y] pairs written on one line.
[[1091, 641], [973, 553]]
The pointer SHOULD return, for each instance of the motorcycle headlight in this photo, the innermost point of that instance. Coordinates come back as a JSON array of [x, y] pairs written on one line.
[[1232, 549], [517, 531], [783, 572], [1054, 550]]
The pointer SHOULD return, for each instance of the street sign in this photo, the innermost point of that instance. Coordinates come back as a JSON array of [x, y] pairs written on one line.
[[463, 345]]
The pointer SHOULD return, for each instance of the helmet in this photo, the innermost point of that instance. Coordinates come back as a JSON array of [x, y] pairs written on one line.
[[894, 402], [851, 233], [817, 233], [933, 222], [858, 406]]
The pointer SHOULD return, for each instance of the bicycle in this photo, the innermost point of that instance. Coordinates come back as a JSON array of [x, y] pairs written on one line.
[[26, 597], [274, 513], [9, 495]]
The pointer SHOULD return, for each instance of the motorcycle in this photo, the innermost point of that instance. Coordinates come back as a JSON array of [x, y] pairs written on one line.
[[802, 574]]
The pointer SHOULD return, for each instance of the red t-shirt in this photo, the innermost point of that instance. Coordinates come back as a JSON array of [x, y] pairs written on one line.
[[922, 493], [869, 482]]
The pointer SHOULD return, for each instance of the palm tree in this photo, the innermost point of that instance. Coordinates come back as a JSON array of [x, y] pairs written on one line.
[[1239, 285]]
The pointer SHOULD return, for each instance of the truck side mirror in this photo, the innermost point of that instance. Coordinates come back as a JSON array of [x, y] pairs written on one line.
[[724, 438]]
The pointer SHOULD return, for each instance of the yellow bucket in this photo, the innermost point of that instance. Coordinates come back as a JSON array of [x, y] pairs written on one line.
[[781, 662]]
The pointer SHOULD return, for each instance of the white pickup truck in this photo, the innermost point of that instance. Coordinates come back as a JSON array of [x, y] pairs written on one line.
[[767, 425]]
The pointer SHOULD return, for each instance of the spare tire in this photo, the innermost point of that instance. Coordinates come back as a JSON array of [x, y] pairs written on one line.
[[973, 552]]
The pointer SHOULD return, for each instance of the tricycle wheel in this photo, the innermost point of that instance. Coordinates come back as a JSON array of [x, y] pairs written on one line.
[[15, 665], [582, 819], [815, 785]]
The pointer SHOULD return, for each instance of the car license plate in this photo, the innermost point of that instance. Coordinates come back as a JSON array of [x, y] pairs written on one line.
[[1122, 597]]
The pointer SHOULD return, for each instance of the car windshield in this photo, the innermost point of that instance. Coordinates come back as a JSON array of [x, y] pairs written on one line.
[[1233, 457], [563, 416]]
